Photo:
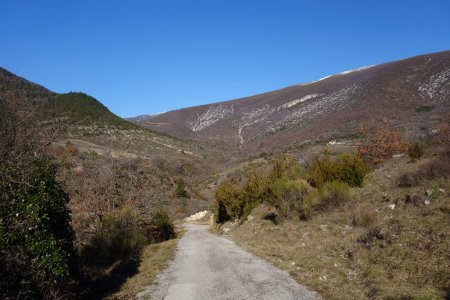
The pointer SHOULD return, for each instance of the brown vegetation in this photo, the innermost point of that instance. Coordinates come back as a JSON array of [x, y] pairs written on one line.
[[380, 141]]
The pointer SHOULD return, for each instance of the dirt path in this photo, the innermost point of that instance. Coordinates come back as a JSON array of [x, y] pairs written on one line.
[[211, 267]]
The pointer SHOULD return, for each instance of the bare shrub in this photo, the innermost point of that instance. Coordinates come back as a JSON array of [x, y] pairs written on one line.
[[437, 168], [364, 216]]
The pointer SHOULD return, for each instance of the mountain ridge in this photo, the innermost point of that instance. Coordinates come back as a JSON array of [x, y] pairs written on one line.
[[389, 90]]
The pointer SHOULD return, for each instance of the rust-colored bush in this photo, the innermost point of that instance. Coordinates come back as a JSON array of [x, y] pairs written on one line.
[[380, 142]]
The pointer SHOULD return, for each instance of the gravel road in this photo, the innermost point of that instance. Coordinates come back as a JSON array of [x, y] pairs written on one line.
[[211, 267]]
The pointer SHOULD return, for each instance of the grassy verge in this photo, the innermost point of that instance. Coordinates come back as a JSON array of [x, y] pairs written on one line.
[[155, 258], [386, 243]]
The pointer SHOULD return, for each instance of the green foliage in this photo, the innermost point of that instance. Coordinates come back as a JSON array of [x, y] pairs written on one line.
[[229, 204], [36, 239], [348, 168], [82, 109], [180, 190], [328, 197], [255, 191], [234, 202], [284, 166], [289, 195], [351, 169], [416, 150], [163, 229], [322, 170], [292, 196]]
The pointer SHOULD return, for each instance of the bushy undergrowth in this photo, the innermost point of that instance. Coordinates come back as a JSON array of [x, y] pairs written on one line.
[[416, 149], [330, 196], [123, 235], [52, 248], [289, 195], [235, 202], [180, 190], [348, 168], [285, 189], [37, 257]]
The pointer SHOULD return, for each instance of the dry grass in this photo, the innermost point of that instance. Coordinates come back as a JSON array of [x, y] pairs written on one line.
[[365, 249], [154, 259]]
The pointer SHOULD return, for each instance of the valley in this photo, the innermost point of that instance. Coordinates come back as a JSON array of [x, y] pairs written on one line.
[[342, 182]]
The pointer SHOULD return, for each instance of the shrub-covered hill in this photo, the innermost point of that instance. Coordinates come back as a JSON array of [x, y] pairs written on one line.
[[22, 96], [82, 118], [82, 109], [24, 99]]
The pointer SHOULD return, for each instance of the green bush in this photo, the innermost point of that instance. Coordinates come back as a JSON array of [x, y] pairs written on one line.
[[348, 168], [321, 170], [234, 202], [332, 195], [351, 169], [36, 239], [288, 196], [163, 229], [416, 150], [255, 191], [284, 166], [228, 200], [180, 190]]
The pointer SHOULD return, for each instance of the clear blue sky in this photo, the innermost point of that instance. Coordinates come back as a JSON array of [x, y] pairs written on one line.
[[148, 56]]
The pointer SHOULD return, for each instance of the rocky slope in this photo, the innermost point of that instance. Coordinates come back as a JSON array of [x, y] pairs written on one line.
[[414, 93]]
